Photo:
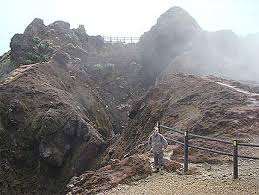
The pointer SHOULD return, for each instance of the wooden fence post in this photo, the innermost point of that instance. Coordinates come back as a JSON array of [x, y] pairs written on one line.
[[186, 152], [235, 159]]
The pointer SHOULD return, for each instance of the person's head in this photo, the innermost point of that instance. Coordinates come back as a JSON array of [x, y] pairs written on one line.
[[156, 130]]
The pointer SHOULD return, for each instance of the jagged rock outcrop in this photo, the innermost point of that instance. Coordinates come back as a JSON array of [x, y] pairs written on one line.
[[39, 43], [60, 110], [169, 37]]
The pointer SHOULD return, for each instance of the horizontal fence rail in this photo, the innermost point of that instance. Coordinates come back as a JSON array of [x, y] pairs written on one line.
[[211, 150], [172, 129], [249, 157], [245, 144], [186, 145], [198, 136], [210, 138], [173, 140]]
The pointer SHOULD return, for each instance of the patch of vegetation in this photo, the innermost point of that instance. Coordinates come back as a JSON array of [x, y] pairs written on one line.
[[43, 46], [28, 62], [42, 51], [36, 40], [98, 67]]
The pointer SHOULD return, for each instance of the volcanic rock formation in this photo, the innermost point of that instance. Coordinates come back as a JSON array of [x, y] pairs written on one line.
[[61, 106], [65, 97]]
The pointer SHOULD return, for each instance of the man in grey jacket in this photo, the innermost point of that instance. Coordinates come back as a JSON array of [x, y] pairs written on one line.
[[158, 143]]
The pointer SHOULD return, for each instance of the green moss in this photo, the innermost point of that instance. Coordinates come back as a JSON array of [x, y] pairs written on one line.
[[101, 120], [28, 62], [41, 52], [43, 45], [36, 40]]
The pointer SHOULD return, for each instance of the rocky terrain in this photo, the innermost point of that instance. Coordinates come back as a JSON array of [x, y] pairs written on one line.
[[61, 106], [71, 103], [199, 105], [130, 169]]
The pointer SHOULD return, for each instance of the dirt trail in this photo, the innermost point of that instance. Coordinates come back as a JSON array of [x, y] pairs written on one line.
[[253, 97], [17, 73]]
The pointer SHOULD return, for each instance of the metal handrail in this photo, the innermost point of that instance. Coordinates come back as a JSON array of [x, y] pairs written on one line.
[[249, 157], [201, 148], [198, 136], [213, 151], [187, 145], [209, 138]]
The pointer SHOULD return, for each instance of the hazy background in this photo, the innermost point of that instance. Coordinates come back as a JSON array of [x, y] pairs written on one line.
[[125, 17]]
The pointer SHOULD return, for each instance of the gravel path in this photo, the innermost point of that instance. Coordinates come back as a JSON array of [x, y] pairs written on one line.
[[207, 179], [175, 184]]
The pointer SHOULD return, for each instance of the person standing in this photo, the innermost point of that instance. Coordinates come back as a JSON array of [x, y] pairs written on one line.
[[157, 143]]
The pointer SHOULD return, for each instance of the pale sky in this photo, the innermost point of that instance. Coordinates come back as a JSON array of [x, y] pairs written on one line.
[[125, 17]]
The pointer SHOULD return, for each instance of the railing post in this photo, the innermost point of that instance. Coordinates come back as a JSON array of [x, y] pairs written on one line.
[[158, 125], [235, 159], [186, 152]]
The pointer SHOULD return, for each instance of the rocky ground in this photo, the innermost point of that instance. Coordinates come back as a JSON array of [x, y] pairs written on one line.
[[187, 185], [202, 178], [118, 172]]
